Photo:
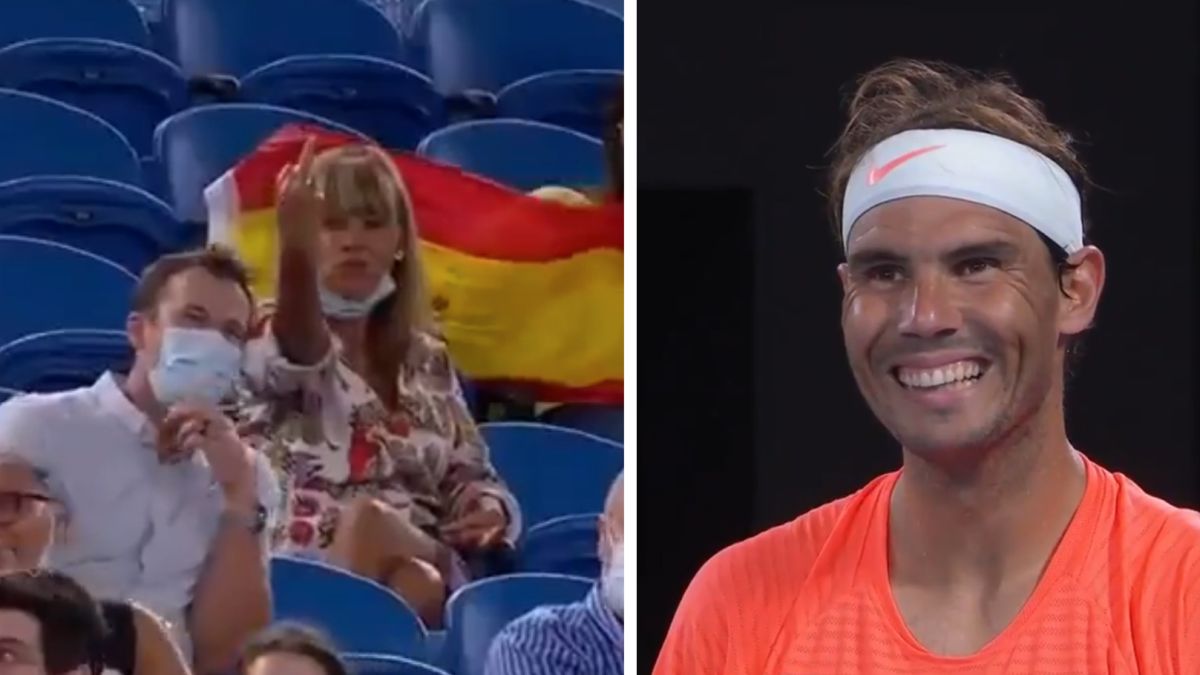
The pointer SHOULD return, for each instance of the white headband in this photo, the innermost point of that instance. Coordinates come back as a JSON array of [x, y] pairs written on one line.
[[972, 166]]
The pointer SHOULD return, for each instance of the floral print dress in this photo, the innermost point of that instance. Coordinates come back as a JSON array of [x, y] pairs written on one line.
[[331, 439]]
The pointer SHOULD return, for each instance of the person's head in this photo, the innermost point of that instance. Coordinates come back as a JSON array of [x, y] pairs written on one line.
[[369, 257], [967, 273], [49, 625], [612, 546], [190, 318], [369, 234], [29, 515], [290, 649]]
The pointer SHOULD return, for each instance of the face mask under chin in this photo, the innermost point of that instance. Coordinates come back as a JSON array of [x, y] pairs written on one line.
[[338, 307]]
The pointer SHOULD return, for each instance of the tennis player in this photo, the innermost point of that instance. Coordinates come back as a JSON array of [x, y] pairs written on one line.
[[998, 547]]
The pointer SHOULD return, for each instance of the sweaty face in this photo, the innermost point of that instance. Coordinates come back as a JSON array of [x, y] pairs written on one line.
[[194, 298], [951, 321]]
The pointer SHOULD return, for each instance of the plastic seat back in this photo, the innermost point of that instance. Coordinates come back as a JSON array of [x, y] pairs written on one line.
[[359, 615], [519, 153], [391, 103], [63, 359], [469, 46], [117, 20], [193, 148], [574, 99], [59, 287], [552, 471], [233, 37], [564, 545], [122, 223], [131, 88], [41, 136], [478, 611]]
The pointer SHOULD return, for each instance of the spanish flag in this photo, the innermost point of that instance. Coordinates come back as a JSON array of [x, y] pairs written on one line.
[[528, 293]]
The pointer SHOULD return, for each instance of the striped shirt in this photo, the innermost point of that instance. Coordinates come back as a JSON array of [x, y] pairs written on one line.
[[582, 638]]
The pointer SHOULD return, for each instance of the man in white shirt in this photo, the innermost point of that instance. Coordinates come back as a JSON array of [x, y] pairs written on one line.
[[165, 506]]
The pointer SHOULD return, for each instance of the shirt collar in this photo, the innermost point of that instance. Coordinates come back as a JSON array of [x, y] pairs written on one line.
[[610, 627], [113, 401]]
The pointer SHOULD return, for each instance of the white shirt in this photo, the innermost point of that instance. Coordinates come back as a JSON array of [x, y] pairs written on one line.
[[137, 529]]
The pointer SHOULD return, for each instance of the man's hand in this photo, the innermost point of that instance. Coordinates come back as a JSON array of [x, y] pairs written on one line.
[[190, 428], [300, 207], [479, 525]]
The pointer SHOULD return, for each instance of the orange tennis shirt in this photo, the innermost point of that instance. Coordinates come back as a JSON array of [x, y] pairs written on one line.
[[1120, 595]]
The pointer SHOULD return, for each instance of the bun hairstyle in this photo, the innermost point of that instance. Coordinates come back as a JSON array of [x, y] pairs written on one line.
[[906, 94]]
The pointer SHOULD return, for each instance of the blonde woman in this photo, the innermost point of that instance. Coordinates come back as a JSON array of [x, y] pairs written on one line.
[[354, 397]]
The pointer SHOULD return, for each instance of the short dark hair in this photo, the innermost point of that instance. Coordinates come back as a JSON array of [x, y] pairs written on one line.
[[217, 260], [72, 626], [292, 638]]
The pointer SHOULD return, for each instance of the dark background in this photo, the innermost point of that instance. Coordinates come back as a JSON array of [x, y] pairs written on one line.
[[748, 415]]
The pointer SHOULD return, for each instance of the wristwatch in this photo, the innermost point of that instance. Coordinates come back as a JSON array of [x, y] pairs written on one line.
[[255, 523]]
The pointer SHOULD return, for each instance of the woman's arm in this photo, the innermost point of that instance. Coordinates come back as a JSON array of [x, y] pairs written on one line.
[[299, 325], [156, 653]]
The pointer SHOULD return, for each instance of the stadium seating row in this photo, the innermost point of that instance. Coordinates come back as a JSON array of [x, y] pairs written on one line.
[[69, 177], [363, 617], [547, 60]]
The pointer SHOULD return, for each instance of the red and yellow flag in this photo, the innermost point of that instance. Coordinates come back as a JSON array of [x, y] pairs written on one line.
[[528, 293]]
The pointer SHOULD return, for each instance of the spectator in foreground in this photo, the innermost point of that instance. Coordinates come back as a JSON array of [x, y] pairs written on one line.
[[168, 507], [583, 638], [49, 625], [354, 398], [290, 649], [137, 642]]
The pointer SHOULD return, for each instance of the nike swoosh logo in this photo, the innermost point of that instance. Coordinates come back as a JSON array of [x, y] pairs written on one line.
[[878, 173]]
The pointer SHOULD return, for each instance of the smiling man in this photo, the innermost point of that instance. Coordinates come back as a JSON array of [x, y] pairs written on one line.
[[998, 547]]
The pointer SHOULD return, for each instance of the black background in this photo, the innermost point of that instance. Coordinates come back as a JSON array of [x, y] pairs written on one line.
[[747, 412]]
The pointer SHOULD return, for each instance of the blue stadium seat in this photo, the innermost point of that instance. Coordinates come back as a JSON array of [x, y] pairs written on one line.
[[615, 6], [391, 103], [117, 20], [519, 153], [382, 664], [233, 37], [552, 471], [50, 286], [575, 99], [359, 615], [467, 46], [606, 421], [194, 147], [41, 136], [63, 359], [122, 223], [564, 545], [129, 87], [476, 612]]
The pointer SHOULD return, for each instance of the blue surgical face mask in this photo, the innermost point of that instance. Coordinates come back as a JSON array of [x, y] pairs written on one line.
[[195, 365], [337, 307], [612, 581]]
